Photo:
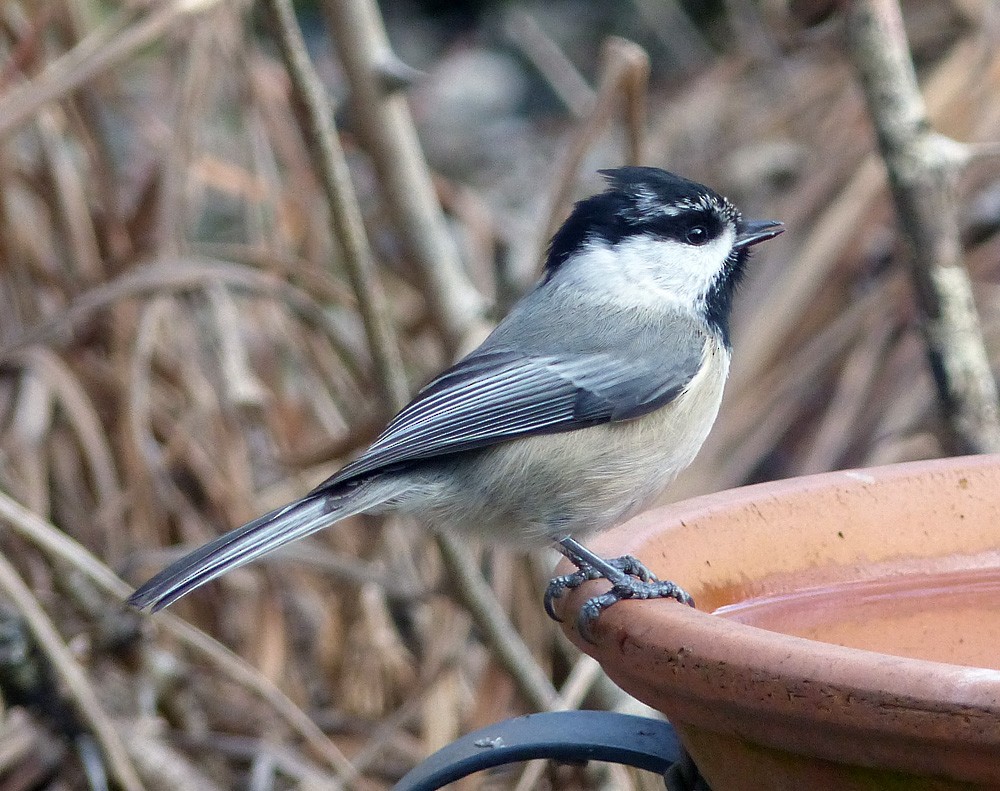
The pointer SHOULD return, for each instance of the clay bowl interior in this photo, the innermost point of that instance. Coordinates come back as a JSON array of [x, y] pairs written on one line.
[[900, 565]]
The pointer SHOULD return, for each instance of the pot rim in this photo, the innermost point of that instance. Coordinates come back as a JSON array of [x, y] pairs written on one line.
[[758, 680]]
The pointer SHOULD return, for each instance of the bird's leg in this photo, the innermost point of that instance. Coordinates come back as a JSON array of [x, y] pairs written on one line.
[[629, 579]]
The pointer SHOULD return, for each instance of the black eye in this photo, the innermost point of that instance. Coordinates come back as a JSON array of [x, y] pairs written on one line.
[[697, 235]]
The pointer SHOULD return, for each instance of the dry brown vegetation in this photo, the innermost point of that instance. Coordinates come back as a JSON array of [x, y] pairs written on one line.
[[182, 349]]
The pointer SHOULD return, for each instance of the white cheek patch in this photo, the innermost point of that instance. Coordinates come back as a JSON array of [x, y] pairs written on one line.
[[685, 271]]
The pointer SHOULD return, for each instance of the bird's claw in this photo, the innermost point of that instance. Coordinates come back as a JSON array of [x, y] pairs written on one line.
[[627, 564], [635, 581], [627, 588]]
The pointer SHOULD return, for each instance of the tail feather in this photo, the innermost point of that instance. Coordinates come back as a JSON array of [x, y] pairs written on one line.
[[240, 546]]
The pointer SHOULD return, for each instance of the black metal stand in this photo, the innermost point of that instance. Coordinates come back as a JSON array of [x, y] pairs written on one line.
[[567, 736]]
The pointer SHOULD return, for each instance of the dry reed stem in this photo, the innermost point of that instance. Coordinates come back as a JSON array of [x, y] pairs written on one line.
[[579, 682], [78, 687], [70, 196], [170, 770], [473, 591], [182, 274], [823, 246], [730, 455], [191, 102], [115, 42], [346, 223], [66, 393], [420, 207], [506, 645], [404, 716], [21, 740], [58, 545]]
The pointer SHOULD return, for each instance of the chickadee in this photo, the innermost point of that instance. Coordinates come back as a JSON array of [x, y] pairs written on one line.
[[594, 392]]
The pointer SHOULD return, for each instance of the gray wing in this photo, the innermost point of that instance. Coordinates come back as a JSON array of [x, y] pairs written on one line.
[[498, 394]]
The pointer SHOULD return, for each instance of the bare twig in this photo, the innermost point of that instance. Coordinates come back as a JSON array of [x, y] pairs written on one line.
[[78, 687], [923, 167], [668, 20], [386, 127], [507, 646], [345, 214], [538, 47]]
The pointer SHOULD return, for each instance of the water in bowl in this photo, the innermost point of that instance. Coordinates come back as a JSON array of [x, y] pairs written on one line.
[[949, 616]]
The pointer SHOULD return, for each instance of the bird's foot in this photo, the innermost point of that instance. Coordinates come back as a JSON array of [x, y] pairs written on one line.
[[626, 588], [629, 579], [629, 566]]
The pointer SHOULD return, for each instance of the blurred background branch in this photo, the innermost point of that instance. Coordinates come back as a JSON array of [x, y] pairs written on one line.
[[385, 125], [924, 167]]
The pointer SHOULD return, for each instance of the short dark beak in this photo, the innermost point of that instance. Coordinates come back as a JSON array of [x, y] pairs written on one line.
[[752, 232]]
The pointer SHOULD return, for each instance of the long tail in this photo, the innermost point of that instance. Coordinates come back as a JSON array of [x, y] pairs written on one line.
[[264, 534]]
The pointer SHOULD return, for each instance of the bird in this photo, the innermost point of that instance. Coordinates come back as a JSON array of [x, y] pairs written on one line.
[[598, 387]]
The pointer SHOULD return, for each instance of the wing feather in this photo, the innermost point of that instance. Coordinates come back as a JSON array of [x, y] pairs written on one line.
[[496, 395]]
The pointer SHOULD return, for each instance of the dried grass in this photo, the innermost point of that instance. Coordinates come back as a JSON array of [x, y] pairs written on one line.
[[182, 350]]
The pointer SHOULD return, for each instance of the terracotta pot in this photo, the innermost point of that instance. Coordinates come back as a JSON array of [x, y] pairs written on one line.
[[848, 555]]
